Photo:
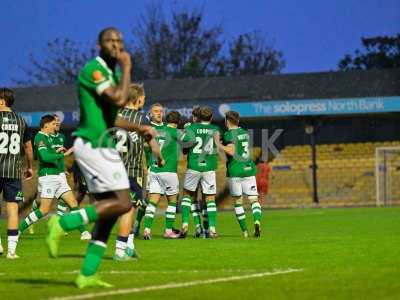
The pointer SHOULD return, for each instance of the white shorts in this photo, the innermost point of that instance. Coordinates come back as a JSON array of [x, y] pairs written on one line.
[[53, 186], [163, 183], [243, 185], [102, 168], [207, 180]]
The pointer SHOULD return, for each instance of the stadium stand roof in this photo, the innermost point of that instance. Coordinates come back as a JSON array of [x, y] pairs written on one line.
[[255, 87]]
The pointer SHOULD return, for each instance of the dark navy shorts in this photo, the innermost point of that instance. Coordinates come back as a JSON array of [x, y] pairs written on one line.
[[11, 189], [136, 192]]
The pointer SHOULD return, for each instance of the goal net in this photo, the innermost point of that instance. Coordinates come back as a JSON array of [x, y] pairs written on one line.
[[387, 175]]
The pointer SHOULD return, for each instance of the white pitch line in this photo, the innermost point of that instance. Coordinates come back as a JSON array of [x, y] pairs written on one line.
[[124, 272], [174, 285]]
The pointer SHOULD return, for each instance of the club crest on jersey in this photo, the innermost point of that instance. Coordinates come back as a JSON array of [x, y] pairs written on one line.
[[97, 76], [117, 175]]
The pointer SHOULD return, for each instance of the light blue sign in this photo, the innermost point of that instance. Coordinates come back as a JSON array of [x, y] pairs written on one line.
[[253, 109], [32, 119], [311, 107]]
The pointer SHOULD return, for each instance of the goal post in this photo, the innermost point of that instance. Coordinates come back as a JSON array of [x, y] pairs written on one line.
[[387, 175]]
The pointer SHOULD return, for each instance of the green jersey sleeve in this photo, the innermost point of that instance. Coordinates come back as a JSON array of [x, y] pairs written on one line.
[[94, 77], [43, 152], [187, 135]]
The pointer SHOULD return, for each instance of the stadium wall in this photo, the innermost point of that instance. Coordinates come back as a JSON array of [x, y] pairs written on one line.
[[346, 107]]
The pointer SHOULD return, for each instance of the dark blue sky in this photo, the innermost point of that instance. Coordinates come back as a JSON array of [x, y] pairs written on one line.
[[313, 34]]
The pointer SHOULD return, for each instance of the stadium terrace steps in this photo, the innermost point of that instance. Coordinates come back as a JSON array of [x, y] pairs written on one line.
[[346, 175]]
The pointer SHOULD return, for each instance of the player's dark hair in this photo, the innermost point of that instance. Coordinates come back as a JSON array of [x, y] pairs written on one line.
[[173, 117], [233, 117], [104, 31], [205, 114], [196, 112], [135, 91], [46, 119], [7, 95]]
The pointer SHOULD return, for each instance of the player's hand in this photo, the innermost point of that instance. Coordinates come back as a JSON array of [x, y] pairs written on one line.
[[28, 174], [124, 59], [217, 140], [160, 162], [217, 137], [148, 132], [69, 151], [61, 150]]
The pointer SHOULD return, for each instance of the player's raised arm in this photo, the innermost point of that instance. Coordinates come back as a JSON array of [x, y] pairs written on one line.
[[144, 130], [228, 149], [227, 146], [119, 95], [102, 76]]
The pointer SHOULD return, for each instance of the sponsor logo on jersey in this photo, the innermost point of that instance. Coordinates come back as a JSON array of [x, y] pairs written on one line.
[[97, 76]]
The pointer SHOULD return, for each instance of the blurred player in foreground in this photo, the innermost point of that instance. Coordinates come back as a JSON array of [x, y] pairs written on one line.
[[102, 91]]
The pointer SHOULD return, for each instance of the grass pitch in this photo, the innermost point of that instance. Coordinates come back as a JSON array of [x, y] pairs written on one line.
[[336, 253]]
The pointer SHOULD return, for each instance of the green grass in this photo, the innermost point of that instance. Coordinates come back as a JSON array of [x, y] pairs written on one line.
[[343, 254]]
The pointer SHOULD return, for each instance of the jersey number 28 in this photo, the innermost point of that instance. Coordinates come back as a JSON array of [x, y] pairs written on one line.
[[9, 144]]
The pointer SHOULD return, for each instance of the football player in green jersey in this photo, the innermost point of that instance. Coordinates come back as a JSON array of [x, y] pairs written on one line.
[[52, 183], [241, 171], [199, 207], [164, 180], [58, 141], [202, 164], [156, 117], [103, 89]]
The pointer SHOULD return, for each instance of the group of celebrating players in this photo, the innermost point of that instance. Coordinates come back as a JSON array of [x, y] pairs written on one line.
[[112, 137]]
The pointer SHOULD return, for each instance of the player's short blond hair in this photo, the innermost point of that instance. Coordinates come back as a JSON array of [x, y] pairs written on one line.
[[136, 90]]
